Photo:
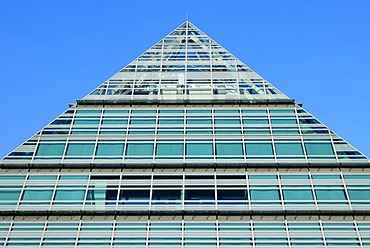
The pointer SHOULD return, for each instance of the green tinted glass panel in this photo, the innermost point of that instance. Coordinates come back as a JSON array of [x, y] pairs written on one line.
[[110, 150], [199, 111], [171, 121], [229, 149], [116, 111], [254, 111], [319, 149], [86, 122], [75, 195], [9, 196], [139, 149], [50, 150], [12, 177], [255, 121], [294, 177], [37, 195], [265, 195], [282, 111], [358, 177], [299, 194], [324, 177], [74, 177], [42, 177], [199, 121], [283, 121], [143, 121], [199, 149], [335, 194], [171, 111], [359, 194], [227, 121], [259, 177], [259, 149], [144, 111], [169, 149], [81, 149], [288, 149], [89, 111], [114, 122], [226, 111]]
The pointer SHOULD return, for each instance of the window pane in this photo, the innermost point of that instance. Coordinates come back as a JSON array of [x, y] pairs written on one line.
[[199, 194], [50, 150], [9, 196], [37, 195], [102, 196], [199, 121], [114, 122], [237, 194], [330, 196], [319, 149], [229, 149], [166, 195], [80, 149], [283, 121], [292, 196], [199, 149], [227, 121], [109, 150], [288, 149], [171, 121], [130, 195], [139, 149], [143, 121], [255, 121], [169, 149], [358, 176], [259, 149], [75, 196], [86, 122], [265, 196], [359, 194]]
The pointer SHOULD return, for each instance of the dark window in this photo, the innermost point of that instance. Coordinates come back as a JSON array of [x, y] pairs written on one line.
[[199, 195], [166, 195], [134, 195], [239, 194]]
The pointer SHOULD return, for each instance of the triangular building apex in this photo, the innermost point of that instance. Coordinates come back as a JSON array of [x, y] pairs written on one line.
[[186, 66]]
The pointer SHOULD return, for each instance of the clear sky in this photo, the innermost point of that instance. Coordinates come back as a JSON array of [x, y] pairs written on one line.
[[54, 52]]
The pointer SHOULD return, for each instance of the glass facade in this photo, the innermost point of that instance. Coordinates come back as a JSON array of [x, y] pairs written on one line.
[[185, 147]]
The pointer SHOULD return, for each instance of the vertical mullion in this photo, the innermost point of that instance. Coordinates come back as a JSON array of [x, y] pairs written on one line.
[[272, 134], [22, 191], [346, 190], [282, 200], [313, 190]]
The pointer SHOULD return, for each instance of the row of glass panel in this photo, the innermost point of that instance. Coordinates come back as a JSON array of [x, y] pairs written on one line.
[[185, 234], [222, 140], [175, 149], [310, 191]]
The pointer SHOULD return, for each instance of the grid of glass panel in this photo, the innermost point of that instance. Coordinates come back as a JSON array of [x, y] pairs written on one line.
[[185, 233], [185, 133], [186, 64], [186, 191]]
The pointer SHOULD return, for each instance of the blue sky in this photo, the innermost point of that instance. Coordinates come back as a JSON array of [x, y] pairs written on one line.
[[54, 52]]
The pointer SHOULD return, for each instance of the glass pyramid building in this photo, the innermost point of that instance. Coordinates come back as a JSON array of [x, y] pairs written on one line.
[[185, 147]]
